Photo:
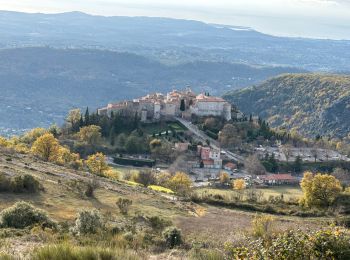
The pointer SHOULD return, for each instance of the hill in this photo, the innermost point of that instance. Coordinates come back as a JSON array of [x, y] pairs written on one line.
[[62, 195], [312, 104], [39, 85], [171, 41]]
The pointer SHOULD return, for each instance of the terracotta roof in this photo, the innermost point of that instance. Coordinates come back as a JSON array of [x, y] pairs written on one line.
[[279, 177], [204, 98], [230, 165], [208, 162]]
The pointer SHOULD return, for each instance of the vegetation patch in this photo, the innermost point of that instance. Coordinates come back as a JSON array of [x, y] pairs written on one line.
[[160, 189]]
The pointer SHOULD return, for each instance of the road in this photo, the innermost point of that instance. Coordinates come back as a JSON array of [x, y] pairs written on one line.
[[213, 143]]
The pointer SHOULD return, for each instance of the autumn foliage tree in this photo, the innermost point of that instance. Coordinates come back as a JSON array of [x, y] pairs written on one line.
[[224, 178], [239, 184], [46, 147], [319, 190], [97, 163], [90, 134], [180, 182]]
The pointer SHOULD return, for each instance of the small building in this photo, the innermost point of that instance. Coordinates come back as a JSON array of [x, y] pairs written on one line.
[[230, 166], [181, 147], [279, 179]]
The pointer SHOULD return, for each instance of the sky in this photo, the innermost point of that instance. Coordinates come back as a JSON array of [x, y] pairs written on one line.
[[328, 19]]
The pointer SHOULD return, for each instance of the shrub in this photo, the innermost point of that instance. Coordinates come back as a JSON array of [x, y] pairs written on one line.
[[262, 225], [90, 188], [5, 183], [25, 183], [23, 214], [67, 252], [123, 205], [172, 237], [88, 222], [158, 223], [146, 178]]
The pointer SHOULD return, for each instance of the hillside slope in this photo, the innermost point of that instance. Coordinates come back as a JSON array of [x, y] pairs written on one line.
[[309, 103], [39, 85]]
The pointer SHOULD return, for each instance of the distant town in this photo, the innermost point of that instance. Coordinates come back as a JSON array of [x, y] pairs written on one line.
[[185, 104]]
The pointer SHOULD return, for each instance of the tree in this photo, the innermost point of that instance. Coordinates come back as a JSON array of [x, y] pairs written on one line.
[[73, 119], [146, 178], [97, 163], [87, 117], [132, 144], [182, 105], [90, 134], [123, 205], [254, 166], [46, 147], [342, 175], [297, 165], [32, 135], [320, 190], [314, 153], [112, 136], [224, 178], [239, 184], [180, 182], [287, 151]]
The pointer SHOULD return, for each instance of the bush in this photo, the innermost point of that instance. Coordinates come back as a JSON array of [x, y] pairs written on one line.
[[19, 184], [262, 225], [22, 215], [158, 223], [25, 184], [172, 237], [67, 252], [123, 205], [88, 222]]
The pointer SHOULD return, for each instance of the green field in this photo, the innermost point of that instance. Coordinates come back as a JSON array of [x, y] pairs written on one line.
[[287, 191], [162, 127]]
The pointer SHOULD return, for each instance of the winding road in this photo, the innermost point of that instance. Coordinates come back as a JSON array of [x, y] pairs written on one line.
[[213, 143]]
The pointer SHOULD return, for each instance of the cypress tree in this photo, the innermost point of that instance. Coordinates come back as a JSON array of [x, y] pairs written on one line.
[[87, 117], [182, 105]]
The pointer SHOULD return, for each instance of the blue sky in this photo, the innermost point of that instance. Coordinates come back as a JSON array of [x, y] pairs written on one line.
[[306, 18]]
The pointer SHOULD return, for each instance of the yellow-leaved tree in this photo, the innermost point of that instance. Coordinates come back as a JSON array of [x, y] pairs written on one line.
[[97, 164], [319, 190], [90, 134], [224, 178], [66, 157], [239, 184], [180, 183], [32, 135], [46, 147]]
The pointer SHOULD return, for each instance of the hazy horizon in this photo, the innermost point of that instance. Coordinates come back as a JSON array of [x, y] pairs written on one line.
[[324, 19]]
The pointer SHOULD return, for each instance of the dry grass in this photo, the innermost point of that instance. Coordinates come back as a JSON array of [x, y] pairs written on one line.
[[218, 225]]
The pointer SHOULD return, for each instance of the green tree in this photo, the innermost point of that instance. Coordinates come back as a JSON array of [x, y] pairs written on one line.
[[182, 105], [90, 134], [297, 165], [87, 117]]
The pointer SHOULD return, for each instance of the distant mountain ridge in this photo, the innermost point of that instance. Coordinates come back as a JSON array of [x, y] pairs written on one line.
[[312, 104], [39, 85], [172, 41]]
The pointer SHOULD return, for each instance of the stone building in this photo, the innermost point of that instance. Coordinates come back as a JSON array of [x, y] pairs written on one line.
[[155, 106]]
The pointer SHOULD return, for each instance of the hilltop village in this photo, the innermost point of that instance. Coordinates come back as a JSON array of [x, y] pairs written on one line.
[[185, 104]]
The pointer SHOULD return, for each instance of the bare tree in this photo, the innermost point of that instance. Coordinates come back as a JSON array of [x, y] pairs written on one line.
[[287, 151], [254, 166], [314, 153]]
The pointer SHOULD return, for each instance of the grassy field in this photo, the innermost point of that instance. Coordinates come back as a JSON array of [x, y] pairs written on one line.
[[156, 128], [287, 191]]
